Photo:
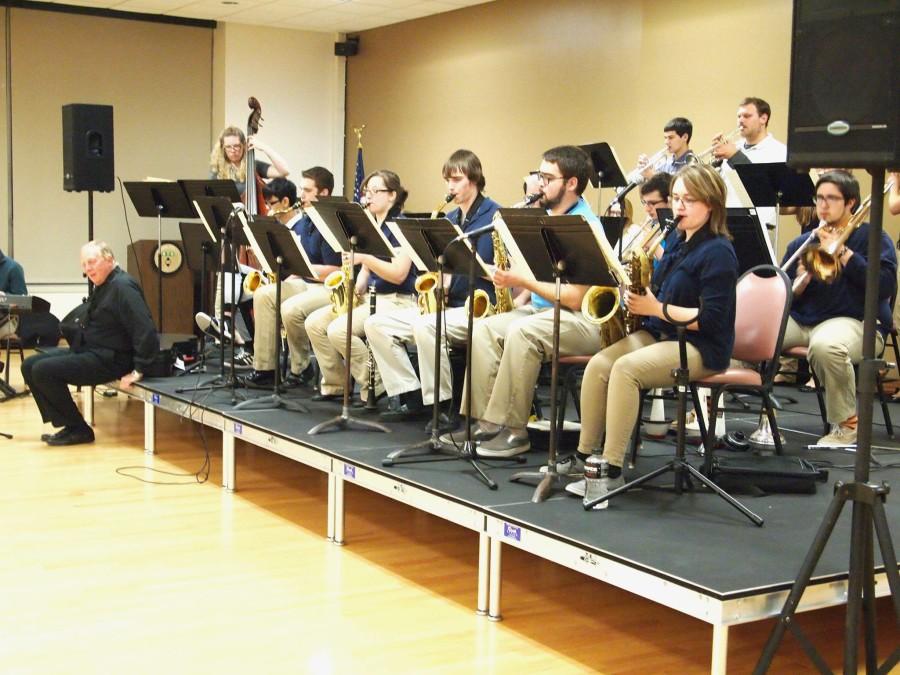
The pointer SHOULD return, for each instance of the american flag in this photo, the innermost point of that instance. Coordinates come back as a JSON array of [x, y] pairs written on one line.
[[360, 174]]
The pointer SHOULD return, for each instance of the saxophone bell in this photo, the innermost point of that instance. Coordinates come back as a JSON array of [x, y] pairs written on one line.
[[426, 285], [255, 279]]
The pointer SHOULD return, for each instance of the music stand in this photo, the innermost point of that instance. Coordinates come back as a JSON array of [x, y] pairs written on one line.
[[273, 242], [199, 249], [159, 199], [348, 228], [556, 249], [428, 243], [220, 215], [213, 187], [607, 170], [751, 243], [776, 184]]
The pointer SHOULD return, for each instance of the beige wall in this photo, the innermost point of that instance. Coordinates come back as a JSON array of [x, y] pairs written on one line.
[[299, 84], [512, 78], [156, 77]]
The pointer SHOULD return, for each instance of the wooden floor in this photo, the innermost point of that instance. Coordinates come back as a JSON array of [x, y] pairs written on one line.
[[102, 573]]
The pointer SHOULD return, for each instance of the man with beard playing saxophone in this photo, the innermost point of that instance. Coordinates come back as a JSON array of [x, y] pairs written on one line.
[[388, 334], [508, 349]]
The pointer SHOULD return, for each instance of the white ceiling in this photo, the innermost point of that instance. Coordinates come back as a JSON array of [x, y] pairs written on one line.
[[340, 16]]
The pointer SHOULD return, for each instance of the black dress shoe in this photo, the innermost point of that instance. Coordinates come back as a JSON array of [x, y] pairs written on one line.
[[445, 424], [405, 413], [326, 397], [260, 378], [72, 436]]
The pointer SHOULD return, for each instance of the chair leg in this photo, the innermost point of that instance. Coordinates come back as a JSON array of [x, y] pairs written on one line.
[[821, 398], [707, 434], [773, 422], [882, 397], [567, 387], [6, 362], [636, 436]]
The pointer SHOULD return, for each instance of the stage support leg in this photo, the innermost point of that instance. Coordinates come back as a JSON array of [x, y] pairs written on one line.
[[228, 473], [484, 558], [338, 510], [149, 428], [719, 649], [494, 580], [87, 404]]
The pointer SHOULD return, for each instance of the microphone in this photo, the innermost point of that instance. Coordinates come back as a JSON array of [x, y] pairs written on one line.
[[477, 232]]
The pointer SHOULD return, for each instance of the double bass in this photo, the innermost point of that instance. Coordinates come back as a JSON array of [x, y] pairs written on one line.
[[254, 200]]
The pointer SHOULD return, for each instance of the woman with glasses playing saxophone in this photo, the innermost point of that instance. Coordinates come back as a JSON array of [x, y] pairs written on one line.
[[389, 334], [394, 285], [698, 270]]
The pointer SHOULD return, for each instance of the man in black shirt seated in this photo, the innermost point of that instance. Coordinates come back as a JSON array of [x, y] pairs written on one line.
[[115, 339]]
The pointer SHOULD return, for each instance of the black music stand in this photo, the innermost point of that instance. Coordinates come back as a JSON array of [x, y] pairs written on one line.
[[348, 228], [219, 215], [430, 241], [607, 171], [751, 243], [213, 187], [776, 184], [276, 244], [200, 251], [556, 249], [159, 199]]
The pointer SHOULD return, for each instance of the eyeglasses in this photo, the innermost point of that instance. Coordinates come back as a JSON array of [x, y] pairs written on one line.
[[273, 203], [653, 202], [547, 178], [687, 200], [369, 193], [234, 147], [831, 199]]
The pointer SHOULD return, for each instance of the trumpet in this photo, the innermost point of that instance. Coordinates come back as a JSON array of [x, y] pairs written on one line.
[[287, 209], [635, 178], [255, 279], [706, 157], [439, 209]]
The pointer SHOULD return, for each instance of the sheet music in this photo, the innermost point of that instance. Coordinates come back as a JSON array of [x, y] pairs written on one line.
[[517, 263], [323, 229], [254, 245], [612, 260]]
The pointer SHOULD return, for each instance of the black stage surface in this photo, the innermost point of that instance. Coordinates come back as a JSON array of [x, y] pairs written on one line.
[[695, 540]]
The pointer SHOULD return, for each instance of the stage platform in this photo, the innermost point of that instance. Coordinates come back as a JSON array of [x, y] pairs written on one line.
[[693, 553]]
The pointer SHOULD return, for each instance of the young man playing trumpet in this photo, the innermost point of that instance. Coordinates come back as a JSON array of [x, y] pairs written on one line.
[[677, 136], [299, 297], [508, 349], [389, 334], [826, 316]]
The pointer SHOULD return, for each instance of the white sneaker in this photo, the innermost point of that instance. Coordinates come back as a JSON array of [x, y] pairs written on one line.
[[572, 465], [210, 325], [243, 360], [838, 437]]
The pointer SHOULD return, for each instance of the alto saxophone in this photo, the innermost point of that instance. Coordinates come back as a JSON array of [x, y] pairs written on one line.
[[340, 283], [427, 283]]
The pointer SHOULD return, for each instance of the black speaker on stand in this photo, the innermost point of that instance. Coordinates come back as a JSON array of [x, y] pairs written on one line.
[[844, 100], [844, 113], [88, 153]]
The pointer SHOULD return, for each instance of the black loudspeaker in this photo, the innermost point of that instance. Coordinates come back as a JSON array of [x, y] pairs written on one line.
[[845, 64], [348, 48], [88, 149]]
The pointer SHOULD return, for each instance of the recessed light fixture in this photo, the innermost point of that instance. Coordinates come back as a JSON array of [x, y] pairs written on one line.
[[230, 2]]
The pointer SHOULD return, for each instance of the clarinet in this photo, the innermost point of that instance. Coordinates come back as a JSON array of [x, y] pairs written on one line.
[[371, 403]]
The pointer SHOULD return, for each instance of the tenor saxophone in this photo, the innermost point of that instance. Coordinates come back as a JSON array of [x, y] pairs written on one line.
[[340, 283]]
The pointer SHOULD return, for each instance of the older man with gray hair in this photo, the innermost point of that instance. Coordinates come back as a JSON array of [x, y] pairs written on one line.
[[115, 339]]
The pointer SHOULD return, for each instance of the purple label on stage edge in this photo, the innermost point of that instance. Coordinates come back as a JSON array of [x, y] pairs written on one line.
[[512, 532], [238, 428], [154, 399], [349, 471]]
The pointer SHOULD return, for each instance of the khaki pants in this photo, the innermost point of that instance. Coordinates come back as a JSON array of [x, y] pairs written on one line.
[[328, 334], [294, 313], [613, 379], [264, 321], [453, 331], [835, 346], [507, 352]]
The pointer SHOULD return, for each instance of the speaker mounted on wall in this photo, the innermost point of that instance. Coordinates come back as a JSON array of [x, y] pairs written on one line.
[[88, 148], [844, 98]]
